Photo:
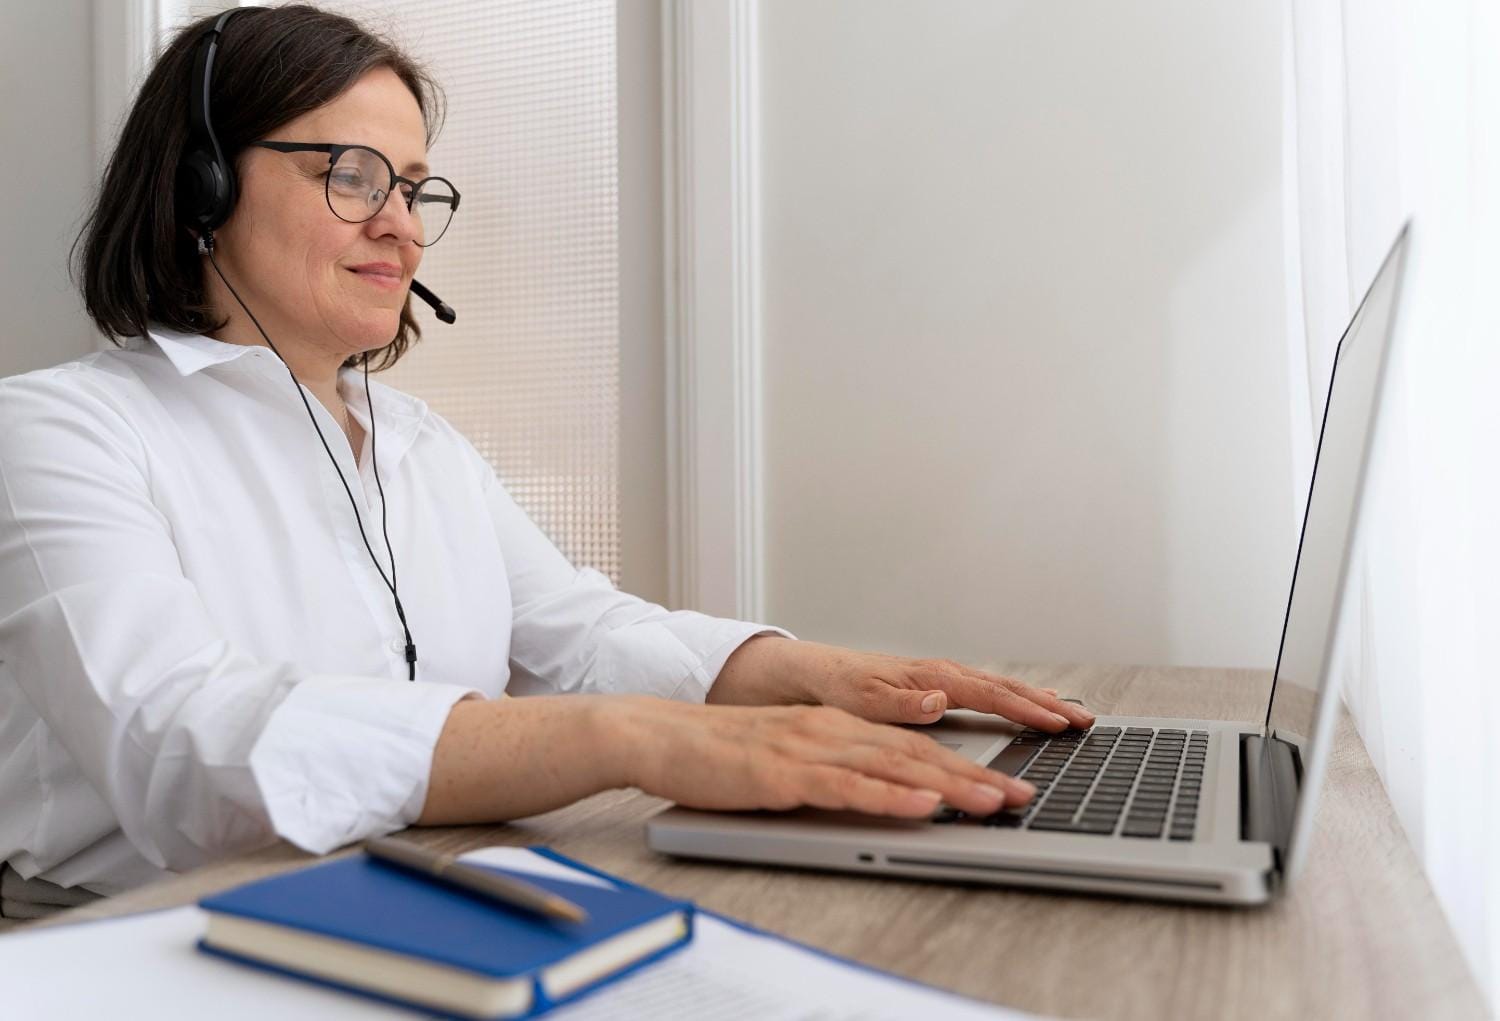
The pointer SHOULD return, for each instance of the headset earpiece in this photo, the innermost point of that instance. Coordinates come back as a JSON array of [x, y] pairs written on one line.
[[206, 188], [205, 192]]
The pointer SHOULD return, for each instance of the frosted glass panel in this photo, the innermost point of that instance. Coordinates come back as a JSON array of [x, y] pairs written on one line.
[[530, 372]]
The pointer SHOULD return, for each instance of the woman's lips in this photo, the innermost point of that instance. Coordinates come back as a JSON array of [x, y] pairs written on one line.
[[384, 275]]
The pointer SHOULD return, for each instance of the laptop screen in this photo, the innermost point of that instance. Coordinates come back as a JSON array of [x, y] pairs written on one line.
[[1318, 578]]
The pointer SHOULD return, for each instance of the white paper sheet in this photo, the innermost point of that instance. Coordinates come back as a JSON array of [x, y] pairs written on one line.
[[146, 966]]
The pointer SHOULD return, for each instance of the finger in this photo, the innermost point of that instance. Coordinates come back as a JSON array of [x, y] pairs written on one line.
[[1047, 698], [977, 692], [882, 703], [1075, 714], [835, 787], [827, 734], [924, 749], [1017, 791], [981, 796]]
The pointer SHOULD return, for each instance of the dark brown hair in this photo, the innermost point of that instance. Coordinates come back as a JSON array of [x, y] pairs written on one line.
[[133, 260]]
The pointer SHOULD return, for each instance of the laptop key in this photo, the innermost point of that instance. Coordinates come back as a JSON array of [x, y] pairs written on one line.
[[1051, 825], [1094, 826]]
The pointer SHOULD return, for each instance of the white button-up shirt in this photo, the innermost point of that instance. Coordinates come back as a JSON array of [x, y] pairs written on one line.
[[197, 655]]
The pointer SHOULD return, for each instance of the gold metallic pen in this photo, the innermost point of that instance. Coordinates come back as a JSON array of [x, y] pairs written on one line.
[[446, 868]]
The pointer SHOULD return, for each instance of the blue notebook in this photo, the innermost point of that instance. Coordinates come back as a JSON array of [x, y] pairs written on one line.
[[382, 932]]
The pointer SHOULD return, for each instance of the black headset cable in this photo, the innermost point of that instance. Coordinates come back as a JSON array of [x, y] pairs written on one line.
[[206, 247]]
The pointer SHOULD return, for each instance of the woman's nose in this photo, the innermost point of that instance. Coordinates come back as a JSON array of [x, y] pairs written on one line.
[[396, 219]]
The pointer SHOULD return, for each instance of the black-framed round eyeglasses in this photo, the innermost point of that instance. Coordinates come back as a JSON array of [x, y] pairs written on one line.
[[361, 179]]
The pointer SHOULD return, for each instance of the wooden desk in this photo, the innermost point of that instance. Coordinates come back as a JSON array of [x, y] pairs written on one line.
[[1360, 935]]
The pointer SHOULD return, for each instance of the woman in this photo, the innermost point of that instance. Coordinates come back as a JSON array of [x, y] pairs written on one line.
[[207, 644]]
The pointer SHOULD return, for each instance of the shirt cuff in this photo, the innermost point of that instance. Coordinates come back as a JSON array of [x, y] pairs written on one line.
[[344, 758], [703, 678]]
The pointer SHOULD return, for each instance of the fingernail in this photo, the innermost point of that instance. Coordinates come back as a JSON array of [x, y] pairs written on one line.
[[1026, 787], [928, 795], [1088, 717], [1063, 720], [993, 793], [933, 702]]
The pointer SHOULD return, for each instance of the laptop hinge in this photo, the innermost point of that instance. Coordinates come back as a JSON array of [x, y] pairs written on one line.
[[1270, 776]]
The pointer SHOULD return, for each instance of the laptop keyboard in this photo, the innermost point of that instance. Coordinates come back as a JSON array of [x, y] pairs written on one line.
[[1138, 782]]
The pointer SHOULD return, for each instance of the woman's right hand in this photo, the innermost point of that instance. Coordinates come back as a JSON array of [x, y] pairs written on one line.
[[781, 757]]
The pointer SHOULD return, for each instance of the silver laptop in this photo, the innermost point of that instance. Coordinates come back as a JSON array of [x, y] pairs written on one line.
[[1203, 810]]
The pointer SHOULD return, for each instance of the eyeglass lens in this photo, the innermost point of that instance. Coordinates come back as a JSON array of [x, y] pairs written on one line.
[[358, 184]]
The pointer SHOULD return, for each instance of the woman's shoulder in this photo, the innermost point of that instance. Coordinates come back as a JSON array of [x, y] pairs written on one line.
[[94, 390], [93, 373]]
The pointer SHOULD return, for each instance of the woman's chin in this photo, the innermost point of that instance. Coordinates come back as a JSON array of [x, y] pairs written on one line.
[[371, 329]]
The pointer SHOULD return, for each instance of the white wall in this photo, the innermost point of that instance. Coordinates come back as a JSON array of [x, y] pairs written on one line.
[[46, 128], [643, 420], [1023, 311]]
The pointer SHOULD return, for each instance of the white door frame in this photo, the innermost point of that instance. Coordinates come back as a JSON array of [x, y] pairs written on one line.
[[711, 181], [127, 36]]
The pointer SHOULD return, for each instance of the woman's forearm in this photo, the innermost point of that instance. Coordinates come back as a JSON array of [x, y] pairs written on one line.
[[762, 671], [773, 670], [500, 759]]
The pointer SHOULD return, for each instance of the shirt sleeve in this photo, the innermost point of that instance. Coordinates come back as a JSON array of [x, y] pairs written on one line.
[[199, 749], [573, 631]]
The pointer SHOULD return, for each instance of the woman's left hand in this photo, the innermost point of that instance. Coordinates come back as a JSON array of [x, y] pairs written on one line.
[[895, 689]]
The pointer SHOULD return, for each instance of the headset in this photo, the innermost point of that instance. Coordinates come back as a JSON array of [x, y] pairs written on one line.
[[205, 196]]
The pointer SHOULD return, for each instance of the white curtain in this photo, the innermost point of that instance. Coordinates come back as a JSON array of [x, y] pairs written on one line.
[[1393, 112]]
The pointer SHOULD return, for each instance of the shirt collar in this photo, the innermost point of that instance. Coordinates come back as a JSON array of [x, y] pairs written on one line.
[[191, 353]]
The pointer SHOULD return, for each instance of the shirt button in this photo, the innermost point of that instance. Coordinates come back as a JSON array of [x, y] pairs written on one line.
[[398, 644]]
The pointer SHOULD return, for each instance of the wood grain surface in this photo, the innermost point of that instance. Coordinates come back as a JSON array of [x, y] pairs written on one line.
[[1359, 936]]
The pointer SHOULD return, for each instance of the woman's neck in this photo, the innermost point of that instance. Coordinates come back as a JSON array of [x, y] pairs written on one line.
[[314, 367]]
